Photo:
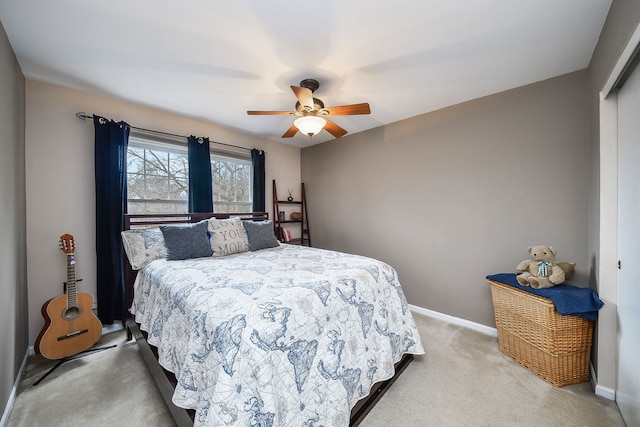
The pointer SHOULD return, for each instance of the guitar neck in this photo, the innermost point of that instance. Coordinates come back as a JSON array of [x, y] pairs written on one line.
[[72, 296]]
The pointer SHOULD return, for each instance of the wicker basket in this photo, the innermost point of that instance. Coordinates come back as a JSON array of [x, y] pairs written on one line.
[[554, 347]]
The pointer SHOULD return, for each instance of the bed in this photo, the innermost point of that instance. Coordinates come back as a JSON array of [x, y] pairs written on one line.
[[264, 334]]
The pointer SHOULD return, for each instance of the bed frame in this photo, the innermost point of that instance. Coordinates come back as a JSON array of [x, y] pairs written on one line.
[[165, 381]]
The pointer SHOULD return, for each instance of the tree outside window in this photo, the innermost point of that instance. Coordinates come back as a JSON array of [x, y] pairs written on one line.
[[231, 184], [158, 179]]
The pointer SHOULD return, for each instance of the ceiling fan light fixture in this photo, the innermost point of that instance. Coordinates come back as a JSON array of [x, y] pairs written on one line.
[[313, 112], [310, 125]]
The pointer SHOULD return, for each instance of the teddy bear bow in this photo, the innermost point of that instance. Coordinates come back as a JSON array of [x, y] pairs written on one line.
[[542, 268]]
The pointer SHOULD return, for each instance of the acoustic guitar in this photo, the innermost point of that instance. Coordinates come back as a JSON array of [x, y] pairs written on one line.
[[70, 325]]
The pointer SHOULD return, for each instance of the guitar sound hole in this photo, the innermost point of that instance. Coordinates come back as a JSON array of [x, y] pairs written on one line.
[[72, 313]]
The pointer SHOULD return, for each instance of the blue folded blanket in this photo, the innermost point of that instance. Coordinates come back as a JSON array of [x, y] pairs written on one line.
[[569, 300]]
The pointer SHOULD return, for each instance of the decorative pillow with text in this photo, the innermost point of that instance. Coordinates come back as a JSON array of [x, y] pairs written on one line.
[[227, 236]]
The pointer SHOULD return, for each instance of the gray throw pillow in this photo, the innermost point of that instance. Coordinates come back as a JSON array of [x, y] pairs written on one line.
[[260, 235], [186, 241]]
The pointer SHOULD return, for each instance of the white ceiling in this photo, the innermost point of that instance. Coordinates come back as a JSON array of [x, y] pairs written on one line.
[[214, 60]]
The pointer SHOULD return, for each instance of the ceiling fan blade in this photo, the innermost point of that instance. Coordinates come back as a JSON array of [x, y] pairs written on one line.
[[304, 95], [268, 113], [334, 129], [290, 132], [348, 110]]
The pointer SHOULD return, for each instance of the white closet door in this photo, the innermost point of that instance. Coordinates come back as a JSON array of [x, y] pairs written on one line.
[[628, 390]]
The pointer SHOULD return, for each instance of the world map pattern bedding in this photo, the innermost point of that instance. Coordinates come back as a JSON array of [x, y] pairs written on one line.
[[288, 336]]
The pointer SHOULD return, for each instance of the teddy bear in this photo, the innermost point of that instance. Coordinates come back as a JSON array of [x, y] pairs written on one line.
[[542, 271], [568, 267]]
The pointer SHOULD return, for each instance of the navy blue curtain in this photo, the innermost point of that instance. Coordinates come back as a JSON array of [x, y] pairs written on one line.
[[257, 158], [111, 140], [200, 183]]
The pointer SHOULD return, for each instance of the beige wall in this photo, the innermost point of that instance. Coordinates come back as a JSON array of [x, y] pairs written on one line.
[[13, 270], [60, 178], [434, 198], [451, 196]]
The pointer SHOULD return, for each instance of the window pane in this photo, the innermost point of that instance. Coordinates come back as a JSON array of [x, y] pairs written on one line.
[[156, 188], [158, 179], [232, 207], [156, 163], [142, 206], [179, 165], [135, 186], [231, 184], [135, 160], [179, 189]]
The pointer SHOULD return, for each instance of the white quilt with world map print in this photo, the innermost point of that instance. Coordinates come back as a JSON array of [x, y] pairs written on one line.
[[288, 336]]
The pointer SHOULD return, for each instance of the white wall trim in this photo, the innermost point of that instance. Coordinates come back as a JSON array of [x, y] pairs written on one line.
[[622, 62], [14, 391], [604, 392], [115, 326], [487, 330], [30, 352], [599, 390], [607, 349]]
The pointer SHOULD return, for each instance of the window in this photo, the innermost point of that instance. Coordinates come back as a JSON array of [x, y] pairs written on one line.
[[232, 182], [158, 178]]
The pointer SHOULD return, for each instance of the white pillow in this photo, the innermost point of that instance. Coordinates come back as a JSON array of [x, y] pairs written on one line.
[[227, 236], [143, 246]]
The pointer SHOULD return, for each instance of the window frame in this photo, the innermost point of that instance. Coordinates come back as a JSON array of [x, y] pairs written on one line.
[[178, 145], [244, 159]]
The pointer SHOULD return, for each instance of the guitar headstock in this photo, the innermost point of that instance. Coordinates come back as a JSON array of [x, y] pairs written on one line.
[[67, 244]]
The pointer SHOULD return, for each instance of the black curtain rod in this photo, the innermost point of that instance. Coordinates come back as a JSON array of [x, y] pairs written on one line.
[[83, 116]]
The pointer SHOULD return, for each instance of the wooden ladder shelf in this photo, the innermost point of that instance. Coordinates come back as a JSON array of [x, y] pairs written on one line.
[[298, 228]]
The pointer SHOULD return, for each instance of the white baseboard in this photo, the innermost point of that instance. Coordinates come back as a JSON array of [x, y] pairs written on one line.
[[12, 396], [115, 326], [599, 390], [487, 330], [30, 352], [605, 392]]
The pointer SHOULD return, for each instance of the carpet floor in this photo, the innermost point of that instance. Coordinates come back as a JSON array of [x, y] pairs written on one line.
[[462, 380]]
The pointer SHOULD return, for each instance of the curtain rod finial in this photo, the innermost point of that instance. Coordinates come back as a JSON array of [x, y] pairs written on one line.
[[82, 115]]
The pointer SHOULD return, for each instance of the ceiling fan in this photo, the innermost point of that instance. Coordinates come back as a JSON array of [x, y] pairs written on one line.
[[312, 112]]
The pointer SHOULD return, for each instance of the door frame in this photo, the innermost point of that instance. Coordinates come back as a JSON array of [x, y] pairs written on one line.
[[607, 327]]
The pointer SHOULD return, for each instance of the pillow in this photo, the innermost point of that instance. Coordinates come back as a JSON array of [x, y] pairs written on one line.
[[260, 235], [186, 241], [227, 236], [143, 246]]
